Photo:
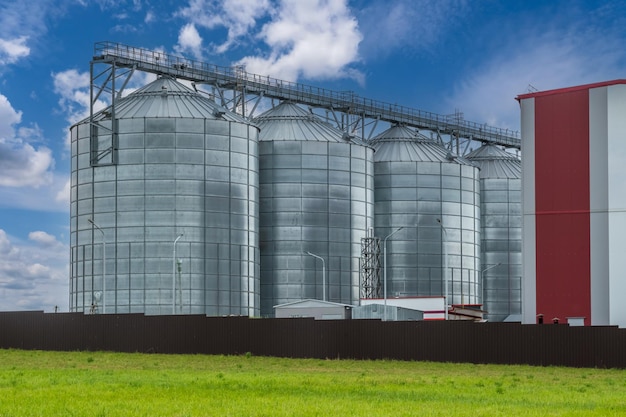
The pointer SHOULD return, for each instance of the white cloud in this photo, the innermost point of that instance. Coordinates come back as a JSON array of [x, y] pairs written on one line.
[[8, 118], [73, 87], [150, 17], [189, 40], [13, 49], [63, 195], [33, 279], [21, 164], [237, 16], [53, 197], [314, 39], [240, 16], [23, 24], [43, 239]]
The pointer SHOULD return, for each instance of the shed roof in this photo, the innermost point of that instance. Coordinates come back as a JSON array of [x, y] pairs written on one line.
[[308, 303]]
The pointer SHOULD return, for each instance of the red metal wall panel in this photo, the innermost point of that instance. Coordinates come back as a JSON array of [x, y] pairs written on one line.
[[562, 205]]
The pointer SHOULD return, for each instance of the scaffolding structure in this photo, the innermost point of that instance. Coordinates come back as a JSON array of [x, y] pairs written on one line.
[[241, 92], [370, 266]]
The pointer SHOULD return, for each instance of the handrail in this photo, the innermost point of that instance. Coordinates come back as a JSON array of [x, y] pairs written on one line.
[[348, 101]]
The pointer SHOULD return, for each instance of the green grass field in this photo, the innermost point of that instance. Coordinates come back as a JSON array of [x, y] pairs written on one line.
[[35, 383]]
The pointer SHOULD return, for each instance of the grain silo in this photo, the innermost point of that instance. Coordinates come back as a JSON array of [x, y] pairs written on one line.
[[501, 221], [316, 196], [164, 207], [434, 197]]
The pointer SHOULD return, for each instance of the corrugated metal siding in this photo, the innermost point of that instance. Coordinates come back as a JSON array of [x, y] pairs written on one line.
[[454, 341]]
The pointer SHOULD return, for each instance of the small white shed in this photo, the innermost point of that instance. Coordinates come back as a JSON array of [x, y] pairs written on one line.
[[318, 309]]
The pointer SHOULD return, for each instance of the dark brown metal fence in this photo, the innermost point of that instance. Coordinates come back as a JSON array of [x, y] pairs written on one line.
[[500, 343]]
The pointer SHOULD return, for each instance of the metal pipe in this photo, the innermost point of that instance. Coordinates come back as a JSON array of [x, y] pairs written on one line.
[[445, 271], [323, 273], [104, 266], [481, 279], [385, 270], [174, 275]]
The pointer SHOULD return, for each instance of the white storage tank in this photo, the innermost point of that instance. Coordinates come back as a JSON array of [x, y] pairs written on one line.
[[435, 197], [316, 197], [170, 201]]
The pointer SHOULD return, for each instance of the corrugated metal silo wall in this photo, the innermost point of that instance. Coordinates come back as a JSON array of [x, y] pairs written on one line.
[[315, 197], [498, 343], [171, 175], [414, 195], [501, 246]]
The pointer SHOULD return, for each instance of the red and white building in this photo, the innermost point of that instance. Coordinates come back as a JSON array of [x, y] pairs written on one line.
[[574, 204]]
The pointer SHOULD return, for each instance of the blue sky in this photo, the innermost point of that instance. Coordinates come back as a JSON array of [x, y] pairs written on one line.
[[436, 55]]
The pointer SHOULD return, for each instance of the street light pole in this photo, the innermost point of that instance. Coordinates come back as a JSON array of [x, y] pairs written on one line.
[[174, 275], [445, 272], [482, 278], [385, 270], [104, 267], [323, 273]]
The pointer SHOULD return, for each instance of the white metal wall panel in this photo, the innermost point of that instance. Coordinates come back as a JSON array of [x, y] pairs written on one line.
[[529, 259], [598, 205], [616, 130]]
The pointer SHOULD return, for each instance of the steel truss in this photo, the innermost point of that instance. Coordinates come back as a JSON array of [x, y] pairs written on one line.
[[370, 267], [242, 92]]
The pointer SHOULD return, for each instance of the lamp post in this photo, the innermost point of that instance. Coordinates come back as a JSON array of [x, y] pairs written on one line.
[[174, 275], [445, 271], [482, 279], [104, 266], [179, 263], [385, 270], [323, 273]]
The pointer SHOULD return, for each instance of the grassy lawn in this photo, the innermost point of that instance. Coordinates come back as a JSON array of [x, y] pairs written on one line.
[[34, 383]]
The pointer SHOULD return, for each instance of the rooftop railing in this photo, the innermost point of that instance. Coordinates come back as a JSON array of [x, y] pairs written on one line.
[[346, 101]]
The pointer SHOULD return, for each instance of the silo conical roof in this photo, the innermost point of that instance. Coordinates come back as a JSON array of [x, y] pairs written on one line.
[[167, 98], [288, 121], [495, 162], [402, 144]]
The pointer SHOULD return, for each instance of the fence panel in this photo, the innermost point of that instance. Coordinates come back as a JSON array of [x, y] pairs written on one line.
[[453, 341]]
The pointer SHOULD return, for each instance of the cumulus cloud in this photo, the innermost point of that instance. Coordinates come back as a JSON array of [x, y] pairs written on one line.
[[189, 40], [23, 24], [237, 16], [13, 49], [8, 118], [73, 88], [21, 164], [43, 239], [317, 40], [54, 197], [63, 195], [240, 16], [33, 279]]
